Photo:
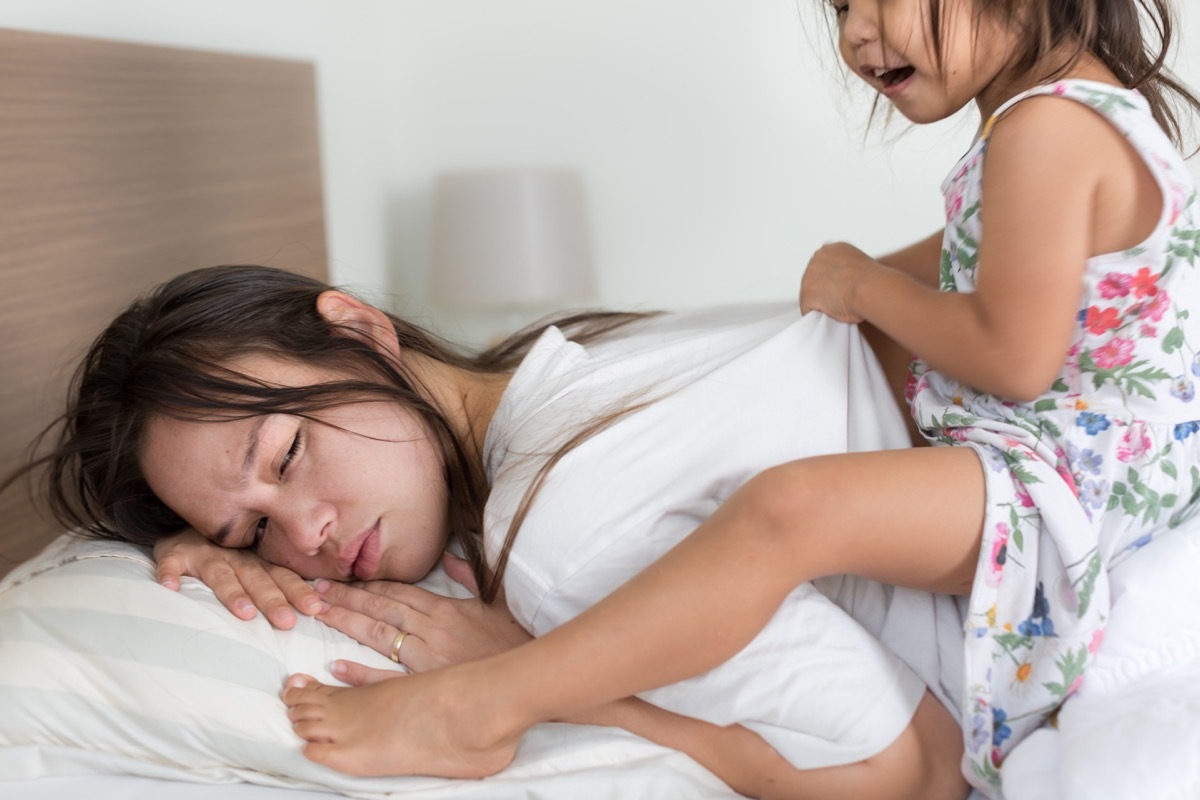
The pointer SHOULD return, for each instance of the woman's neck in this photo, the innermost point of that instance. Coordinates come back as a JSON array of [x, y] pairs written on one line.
[[467, 399]]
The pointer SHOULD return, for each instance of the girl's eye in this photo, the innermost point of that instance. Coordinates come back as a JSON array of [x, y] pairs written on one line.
[[293, 451], [840, 9]]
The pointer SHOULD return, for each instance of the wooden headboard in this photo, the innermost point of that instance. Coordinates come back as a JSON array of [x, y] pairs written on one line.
[[122, 165]]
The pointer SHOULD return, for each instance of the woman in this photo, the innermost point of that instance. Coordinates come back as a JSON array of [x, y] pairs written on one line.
[[270, 413]]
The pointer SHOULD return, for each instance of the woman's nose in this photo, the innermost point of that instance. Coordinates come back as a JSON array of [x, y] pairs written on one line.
[[305, 527]]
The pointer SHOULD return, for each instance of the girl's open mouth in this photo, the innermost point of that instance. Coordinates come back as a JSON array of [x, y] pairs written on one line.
[[892, 77]]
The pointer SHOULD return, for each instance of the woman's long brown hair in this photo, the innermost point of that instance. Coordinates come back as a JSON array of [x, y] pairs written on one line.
[[170, 353]]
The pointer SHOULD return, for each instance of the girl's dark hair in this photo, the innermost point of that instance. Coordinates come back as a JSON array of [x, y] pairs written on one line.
[[1130, 37], [171, 353], [1111, 30]]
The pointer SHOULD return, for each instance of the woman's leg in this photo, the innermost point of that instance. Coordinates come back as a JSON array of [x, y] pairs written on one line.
[[923, 763], [906, 517]]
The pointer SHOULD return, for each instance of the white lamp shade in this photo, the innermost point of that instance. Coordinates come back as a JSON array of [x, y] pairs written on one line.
[[510, 239]]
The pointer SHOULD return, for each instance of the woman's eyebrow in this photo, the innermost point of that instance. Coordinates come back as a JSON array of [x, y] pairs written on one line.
[[252, 442]]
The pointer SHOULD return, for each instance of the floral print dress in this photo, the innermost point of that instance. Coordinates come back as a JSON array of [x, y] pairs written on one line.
[[1098, 466]]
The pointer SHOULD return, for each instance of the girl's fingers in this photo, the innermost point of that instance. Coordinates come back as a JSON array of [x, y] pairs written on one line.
[[357, 674]]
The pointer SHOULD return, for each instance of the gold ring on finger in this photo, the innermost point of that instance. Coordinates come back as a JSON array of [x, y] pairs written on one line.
[[396, 643]]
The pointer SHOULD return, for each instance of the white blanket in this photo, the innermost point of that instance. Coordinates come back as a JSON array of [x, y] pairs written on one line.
[[1133, 729]]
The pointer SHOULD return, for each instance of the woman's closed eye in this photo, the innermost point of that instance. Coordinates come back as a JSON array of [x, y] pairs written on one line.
[[291, 454], [840, 9], [260, 528]]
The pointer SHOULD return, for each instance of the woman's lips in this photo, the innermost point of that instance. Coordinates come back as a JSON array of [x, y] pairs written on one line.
[[368, 555]]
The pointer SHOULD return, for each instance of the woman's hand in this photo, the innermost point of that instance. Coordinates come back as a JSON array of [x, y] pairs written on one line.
[[441, 631], [242, 581], [831, 278]]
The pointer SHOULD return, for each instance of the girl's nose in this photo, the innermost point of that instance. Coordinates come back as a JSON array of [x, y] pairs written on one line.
[[861, 23]]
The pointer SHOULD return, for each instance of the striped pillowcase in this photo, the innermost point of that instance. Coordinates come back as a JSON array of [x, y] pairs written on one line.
[[104, 671]]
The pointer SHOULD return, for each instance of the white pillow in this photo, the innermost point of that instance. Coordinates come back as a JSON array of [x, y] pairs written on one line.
[[104, 671]]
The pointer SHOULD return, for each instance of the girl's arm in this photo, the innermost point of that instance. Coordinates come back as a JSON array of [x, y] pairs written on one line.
[[1047, 164], [921, 261]]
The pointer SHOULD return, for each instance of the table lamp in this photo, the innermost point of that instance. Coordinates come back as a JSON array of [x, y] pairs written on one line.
[[511, 240]]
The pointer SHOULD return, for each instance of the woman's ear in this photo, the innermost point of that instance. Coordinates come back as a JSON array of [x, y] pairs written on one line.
[[359, 320]]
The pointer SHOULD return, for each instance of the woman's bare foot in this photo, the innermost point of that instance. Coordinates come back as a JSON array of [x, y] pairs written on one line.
[[411, 725]]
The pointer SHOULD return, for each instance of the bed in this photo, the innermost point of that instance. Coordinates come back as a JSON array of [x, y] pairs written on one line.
[[124, 164], [120, 166]]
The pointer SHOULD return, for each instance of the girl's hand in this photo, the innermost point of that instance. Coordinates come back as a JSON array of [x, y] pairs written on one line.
[[831, 278], [441, 631], [242, 581]]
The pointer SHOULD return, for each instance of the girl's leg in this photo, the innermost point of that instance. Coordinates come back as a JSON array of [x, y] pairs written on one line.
[[906, 517]]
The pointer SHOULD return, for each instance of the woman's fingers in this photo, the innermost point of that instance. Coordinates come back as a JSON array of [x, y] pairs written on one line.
[[169, 571], [379, 635], [460, 570], [380, 600], [356, 674], [172, 554], [412, 596], [297, 591], [265, 594], [226, 584]]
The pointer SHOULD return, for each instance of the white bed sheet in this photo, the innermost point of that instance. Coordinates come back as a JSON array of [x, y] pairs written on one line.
[[1132, 731], [120, 787], [554, 761]]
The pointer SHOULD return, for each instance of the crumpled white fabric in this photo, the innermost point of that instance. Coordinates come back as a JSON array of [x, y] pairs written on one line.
[[1133, 730]]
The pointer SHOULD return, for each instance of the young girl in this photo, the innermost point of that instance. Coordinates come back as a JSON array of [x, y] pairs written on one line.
[[1056, 360]]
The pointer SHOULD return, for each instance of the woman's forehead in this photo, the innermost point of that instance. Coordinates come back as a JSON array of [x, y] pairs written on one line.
[[191, 449]]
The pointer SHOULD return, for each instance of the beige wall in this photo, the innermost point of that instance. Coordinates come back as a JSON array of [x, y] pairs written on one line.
[[717, 142]]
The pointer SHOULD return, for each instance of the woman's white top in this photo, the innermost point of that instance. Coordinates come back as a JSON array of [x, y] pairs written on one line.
[[731, 392]]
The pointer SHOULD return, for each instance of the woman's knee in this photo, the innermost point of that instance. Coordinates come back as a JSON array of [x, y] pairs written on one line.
[[925, 760]]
